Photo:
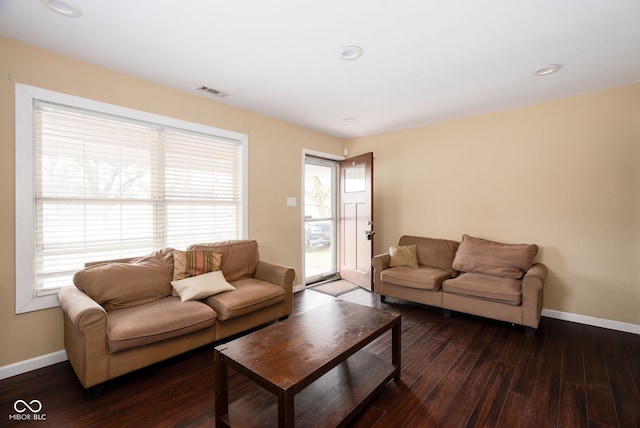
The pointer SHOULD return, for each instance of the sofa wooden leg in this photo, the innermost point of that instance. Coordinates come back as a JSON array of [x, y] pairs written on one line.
[[446, 313], [529, 331], [93, 392], [383, 298]]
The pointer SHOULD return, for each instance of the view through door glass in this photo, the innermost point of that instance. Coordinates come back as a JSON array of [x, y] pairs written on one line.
[[320, 219]]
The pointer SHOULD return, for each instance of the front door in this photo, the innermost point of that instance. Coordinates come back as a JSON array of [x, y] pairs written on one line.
[[356, 219]]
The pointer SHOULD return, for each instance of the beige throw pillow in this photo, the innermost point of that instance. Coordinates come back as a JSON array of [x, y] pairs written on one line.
[[201, 286], [403, 256]]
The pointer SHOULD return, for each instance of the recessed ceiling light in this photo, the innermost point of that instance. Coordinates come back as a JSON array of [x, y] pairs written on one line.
[[63, 7], [349, 53], [349, 119], [547, 70]]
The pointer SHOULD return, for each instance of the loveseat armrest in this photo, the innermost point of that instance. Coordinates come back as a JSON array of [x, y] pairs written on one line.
[[379, 263], [85, 335], [532, 294]]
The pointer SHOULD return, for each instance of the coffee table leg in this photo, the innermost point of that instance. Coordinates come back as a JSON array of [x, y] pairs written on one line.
[[221, 389], [286, 411], [396, 348]]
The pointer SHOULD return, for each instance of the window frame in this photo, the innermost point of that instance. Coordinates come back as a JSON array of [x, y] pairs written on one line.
[[25, 97]]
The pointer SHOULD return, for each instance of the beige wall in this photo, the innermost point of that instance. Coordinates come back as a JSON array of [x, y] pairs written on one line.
[[275, 171], [563, 174]]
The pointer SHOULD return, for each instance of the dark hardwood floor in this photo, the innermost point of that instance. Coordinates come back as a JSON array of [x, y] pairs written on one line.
[[456, 372]]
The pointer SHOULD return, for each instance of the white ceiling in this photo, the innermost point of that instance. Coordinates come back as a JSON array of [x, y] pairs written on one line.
[[424, 60]]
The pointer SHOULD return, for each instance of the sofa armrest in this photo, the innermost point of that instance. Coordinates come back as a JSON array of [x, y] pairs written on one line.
[[83, 312], [532, 294], [85, 335], [277, 274], [379, 263], [280, 275]]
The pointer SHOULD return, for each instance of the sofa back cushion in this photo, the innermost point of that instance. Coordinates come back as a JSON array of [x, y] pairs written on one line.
[[494, 258], [239, 258], [124, 284], [432, 251]]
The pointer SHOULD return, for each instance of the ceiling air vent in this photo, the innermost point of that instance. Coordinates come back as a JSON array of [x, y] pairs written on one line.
[[215, 92]]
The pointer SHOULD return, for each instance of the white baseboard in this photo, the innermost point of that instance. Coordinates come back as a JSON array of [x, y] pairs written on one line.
[[596, 322], [32, 364], [299, 287]]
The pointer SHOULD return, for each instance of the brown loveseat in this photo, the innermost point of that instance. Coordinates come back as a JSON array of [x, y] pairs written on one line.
[[123, 315], [475, 276]]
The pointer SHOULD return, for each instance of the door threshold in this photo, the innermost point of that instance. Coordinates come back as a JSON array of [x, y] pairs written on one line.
[[323, 281]]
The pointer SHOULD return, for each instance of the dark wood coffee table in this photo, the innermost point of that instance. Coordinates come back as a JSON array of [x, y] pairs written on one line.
[[314, 365]]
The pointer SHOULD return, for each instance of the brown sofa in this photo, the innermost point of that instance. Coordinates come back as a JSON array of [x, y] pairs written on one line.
[[122, 315], [475, 276]]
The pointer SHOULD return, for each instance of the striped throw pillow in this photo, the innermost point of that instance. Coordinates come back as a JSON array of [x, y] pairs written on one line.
[[192, 263]]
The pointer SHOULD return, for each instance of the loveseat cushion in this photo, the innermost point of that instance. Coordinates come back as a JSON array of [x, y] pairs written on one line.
[[250, 295], [239, 258], [122, 285], [156, 321], [433, 252], [486, 287], [494, 258], [424, 278]]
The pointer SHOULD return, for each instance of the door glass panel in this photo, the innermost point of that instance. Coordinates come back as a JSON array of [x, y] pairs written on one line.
[[354, 179], [320, 219]]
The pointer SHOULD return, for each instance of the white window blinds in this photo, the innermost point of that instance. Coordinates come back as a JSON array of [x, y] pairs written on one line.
[[107, 187]]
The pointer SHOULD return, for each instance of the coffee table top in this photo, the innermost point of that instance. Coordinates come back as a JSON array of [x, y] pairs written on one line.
[[298, 350]]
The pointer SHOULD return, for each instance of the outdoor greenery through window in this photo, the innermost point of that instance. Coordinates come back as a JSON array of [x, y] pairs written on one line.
[[108, 187]]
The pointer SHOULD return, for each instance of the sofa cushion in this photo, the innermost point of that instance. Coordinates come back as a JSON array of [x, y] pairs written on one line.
[[192, 263], [239, 258], [493, 258], [201, 286], [122, 285], [424, 277], [403, 256], [156, 321], [432, 251], [487, 287], [249, 296]]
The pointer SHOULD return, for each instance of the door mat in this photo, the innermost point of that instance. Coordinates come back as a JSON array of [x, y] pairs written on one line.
[[335, 288]]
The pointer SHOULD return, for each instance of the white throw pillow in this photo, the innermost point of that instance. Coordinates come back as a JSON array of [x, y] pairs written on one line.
[[201, 286]]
